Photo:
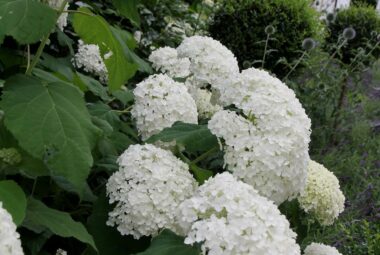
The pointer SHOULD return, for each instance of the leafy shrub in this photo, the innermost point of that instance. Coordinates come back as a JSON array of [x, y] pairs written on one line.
[[361, 2], [366, 22], [240, 25]]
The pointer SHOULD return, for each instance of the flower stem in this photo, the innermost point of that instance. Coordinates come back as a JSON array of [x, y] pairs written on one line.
[[204, 155], [265, 50], [296, 64], [333, 55], [42, 44]]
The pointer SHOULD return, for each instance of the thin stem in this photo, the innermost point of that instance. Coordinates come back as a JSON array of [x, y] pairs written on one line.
[[333, 55], [204, 155], [126, 110], [28, 57], [79, 12], [265, 50], [198, 19], [42, 44], [296, 64], [34, 186]]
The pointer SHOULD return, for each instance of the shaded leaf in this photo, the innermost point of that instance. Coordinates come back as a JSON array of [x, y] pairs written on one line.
[[50, 121], [13, 199], [168, 243], [128, 8], [108, 240], [195, 138], [26, 20], [38, 215]]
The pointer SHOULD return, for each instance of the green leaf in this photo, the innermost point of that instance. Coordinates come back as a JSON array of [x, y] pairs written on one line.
[[128, 8], [94, 29], [14, 200], [38, 215], [200, 174], [50, 121], [195, 138], [108, 240], [29, 167], [26, 20], [168, 243], [125, 41]]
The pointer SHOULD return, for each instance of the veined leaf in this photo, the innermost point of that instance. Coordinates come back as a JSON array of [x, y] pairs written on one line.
[[193, 137], [26, 20], [39, 216], [13, 199], [168, 243], [50, 121], [95, 30], [128, 8]]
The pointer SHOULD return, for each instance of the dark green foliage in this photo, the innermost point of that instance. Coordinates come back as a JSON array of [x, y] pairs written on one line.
[[366, 22], [362, 2], [240, 26]]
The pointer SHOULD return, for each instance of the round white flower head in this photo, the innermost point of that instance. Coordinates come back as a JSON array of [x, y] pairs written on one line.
[[159, 103], [147, 189], [166, 60], [211, 62], [229, 217], [273, 155], [322, 197], [205, 107], [89, 58], [62, 20], [266, 161], [320, 249], [10, 243]]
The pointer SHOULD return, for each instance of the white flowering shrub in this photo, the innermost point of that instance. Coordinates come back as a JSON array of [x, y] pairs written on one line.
[[229, 217], [102, 152], [159, 103], [9, 238], [322, 197], [147, 189], [320, 249]]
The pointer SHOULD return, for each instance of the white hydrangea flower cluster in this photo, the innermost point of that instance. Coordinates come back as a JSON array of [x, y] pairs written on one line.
[[166, 60], [89, 58], [159, 103], [229, 217], [322, 197], [62, 20], [268, 147], [147, 189], [203, 99], [10, 243], [211, 62], [202, 61], [320, 249]]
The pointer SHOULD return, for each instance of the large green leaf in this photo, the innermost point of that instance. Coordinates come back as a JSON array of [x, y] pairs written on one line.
[[26, 20], [108, 240], [168, 243], [13, 199], [39, 216], [128, 8], [193, 137], [50, 121], [94, 29]]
